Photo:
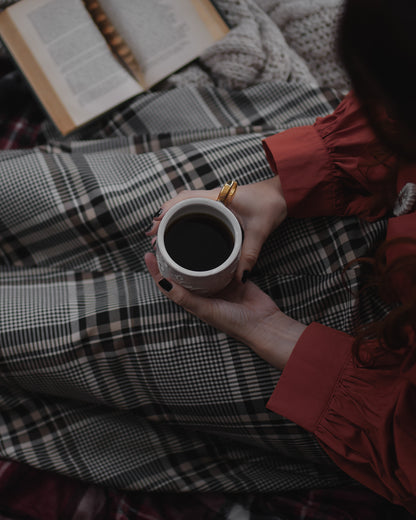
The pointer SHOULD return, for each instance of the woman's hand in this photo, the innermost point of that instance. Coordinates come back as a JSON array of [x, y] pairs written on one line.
[[259, 207], [242, 311]]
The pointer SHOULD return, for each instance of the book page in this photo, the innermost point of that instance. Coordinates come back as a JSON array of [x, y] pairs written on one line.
[[76, 59], [164, 35]]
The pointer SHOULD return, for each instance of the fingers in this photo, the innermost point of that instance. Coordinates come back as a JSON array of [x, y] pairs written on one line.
[[152, 229], [189, 301], [250, 251]]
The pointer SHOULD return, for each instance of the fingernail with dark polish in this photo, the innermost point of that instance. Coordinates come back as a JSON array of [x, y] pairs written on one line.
[[158, 213], [165, 284], [245, 276]]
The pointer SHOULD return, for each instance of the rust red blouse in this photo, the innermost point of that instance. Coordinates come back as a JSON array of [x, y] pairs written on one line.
[[365, 418]]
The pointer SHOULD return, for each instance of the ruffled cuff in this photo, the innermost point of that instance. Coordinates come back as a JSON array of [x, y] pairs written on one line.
[[307, 383], [301, 160]]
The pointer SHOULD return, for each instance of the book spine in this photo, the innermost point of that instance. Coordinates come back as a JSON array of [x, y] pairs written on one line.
[[116, 43]]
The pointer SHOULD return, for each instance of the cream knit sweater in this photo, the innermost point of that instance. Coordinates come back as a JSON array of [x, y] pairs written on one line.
[[287, 40]]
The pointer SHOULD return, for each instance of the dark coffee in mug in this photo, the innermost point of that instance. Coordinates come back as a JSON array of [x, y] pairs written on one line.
[[198, 241]]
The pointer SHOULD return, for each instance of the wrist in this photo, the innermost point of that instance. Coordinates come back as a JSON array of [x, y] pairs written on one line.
[[275, 338], [275, 186]]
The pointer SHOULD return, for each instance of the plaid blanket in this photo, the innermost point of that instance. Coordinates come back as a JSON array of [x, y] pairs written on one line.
[[115, 384], [71, 257], [29, 494]]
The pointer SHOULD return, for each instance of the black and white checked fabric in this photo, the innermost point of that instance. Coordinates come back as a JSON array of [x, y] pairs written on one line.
[[103, 378]]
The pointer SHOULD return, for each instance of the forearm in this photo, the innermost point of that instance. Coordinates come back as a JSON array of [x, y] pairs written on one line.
[[275, 337]]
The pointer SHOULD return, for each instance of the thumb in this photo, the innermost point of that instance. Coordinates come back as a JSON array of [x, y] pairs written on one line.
[[250, 251]]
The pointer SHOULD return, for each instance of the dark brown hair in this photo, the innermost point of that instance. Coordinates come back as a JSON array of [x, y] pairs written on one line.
[[377, 45], [395, 333]]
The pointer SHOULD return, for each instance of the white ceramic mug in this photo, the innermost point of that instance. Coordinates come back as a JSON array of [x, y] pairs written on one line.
[[202, 282]]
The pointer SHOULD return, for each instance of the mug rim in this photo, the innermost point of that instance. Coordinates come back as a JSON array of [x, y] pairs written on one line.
[[235, 226]]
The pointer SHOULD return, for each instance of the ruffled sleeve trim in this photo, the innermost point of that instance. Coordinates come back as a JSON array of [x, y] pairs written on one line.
[[334, 167]]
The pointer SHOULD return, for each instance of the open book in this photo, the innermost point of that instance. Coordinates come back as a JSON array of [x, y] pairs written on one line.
[[85, 57]]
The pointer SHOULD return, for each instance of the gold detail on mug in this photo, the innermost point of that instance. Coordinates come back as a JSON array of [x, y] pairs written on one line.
[[227, 193]]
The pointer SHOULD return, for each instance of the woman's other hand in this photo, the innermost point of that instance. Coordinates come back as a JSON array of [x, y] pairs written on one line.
[[259, 207], [242, 311]]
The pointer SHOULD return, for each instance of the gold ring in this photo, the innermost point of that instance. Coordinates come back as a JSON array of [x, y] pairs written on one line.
[[227, 193]]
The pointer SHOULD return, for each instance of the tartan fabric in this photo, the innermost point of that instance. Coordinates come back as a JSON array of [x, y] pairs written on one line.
[[104, 379], [35, 495]]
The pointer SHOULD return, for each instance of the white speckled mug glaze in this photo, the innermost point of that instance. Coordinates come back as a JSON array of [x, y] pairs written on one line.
[[202, 282]]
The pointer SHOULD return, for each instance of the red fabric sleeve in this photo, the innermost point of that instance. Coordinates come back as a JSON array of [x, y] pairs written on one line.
[[364, 417], [333, 167]]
